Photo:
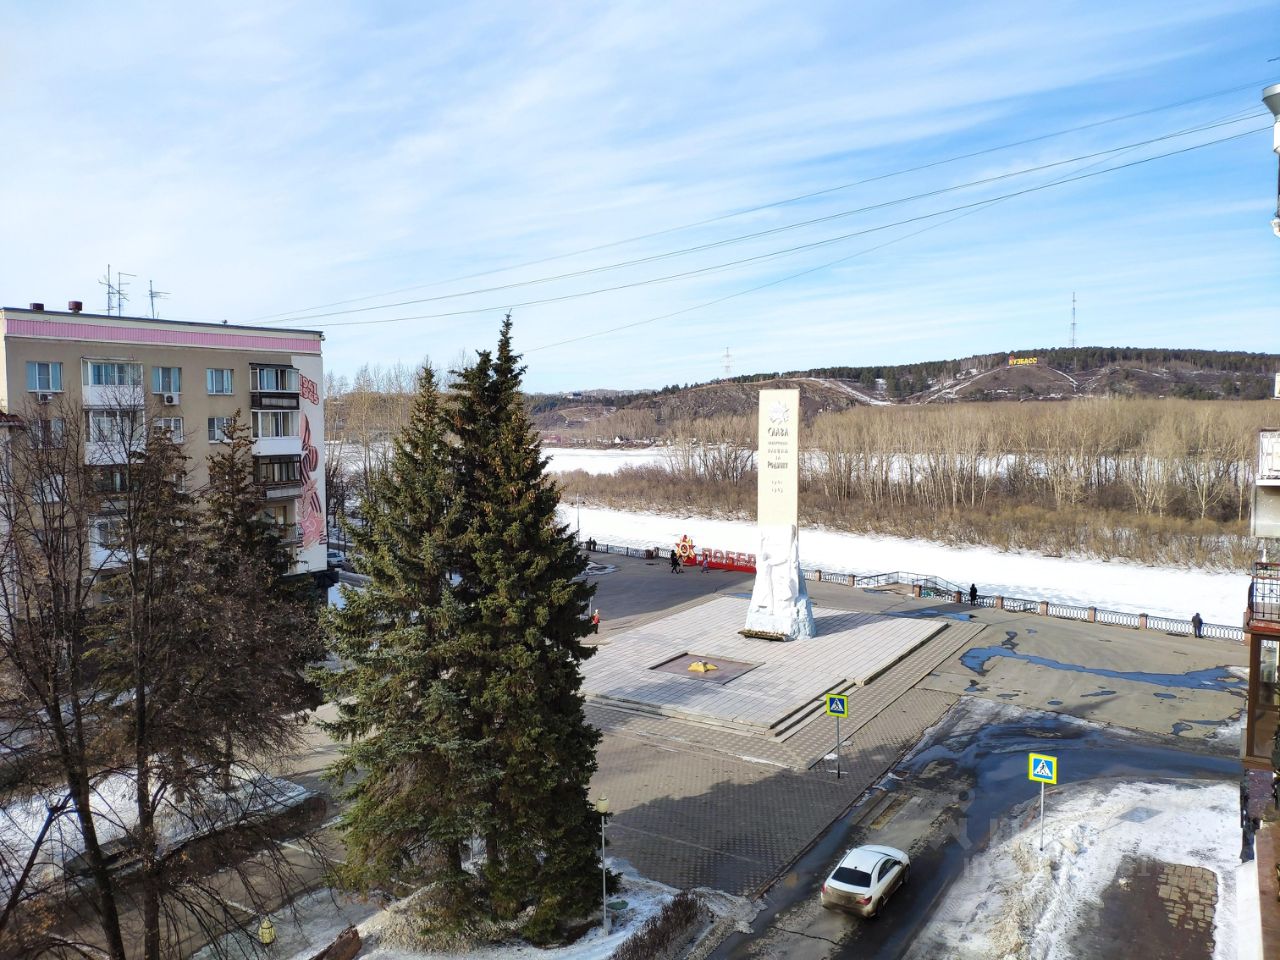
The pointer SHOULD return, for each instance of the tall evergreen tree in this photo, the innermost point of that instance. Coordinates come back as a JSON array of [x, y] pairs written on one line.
[[525, 608], [403, 701]]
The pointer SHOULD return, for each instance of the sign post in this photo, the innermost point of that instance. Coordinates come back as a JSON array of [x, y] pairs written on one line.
[[837, 706], [1042, 769]]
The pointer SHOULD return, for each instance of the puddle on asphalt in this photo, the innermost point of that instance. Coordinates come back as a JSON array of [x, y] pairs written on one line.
[[1212, 678]]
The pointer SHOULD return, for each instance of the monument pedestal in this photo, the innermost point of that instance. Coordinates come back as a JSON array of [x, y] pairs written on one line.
[[780, 607]]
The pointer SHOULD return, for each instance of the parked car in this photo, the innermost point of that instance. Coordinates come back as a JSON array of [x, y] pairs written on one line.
[[336, 558], [865, 879]]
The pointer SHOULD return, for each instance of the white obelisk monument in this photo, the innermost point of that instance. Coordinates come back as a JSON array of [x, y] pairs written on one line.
[[780, 605]]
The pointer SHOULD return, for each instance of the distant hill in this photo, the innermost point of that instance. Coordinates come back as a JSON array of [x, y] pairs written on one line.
[[1055, 374]]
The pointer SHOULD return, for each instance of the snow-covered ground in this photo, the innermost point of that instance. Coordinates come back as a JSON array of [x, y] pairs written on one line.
[[1016, 901], [316, 920], [1113, 585], [564, 459], [205, 810]]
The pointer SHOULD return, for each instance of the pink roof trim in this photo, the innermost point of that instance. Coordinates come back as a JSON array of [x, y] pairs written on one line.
[[160, 336]]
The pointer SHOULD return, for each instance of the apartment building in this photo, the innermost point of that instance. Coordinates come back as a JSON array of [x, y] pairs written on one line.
[[189, 379]]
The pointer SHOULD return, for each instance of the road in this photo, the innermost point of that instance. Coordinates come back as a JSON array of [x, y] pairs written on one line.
[[941, 805]]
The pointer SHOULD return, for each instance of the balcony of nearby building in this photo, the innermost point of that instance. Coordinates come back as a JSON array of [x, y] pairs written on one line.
[[278, 477], [273, 387], [1263, 610]]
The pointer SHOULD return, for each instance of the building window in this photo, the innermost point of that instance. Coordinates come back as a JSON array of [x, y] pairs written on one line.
[[110, 373], [275, 379], [219, 381], [44, 377], [48, 434], [275, 423], [110, 426], [169, 425], [275, 470], [107, 532], [218, 427], [52, 489], [166, 379], [111, 480]]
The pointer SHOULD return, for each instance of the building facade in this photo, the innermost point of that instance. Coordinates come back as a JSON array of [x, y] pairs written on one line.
[[119, 373]]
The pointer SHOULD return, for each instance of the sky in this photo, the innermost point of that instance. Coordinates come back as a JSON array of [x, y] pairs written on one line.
[[399, 175]]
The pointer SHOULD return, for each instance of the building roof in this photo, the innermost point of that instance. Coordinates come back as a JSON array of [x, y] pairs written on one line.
[[223, 325]]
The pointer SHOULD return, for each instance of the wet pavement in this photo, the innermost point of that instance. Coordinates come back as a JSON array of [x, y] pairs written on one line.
[[967, 779]]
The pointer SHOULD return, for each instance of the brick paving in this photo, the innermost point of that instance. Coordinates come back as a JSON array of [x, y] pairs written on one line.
[[1168, 908], [851, 647]]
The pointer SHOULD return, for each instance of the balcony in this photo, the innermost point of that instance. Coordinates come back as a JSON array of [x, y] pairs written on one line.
[[274, 400], [277, 446], [112, 397], [1268, 458], [1263, 614], [107, 453]]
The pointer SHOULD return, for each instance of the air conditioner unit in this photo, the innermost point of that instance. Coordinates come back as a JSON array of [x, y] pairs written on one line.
[[172, 399], [44, 397]]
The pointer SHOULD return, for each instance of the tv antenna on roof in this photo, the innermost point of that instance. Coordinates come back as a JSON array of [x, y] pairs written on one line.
[[155, 295], [116, 296]]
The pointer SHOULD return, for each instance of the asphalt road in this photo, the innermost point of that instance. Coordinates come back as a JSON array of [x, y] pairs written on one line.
[[941, 805]]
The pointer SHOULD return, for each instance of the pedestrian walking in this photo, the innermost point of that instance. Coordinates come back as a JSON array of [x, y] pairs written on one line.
[[1251, 825], [706, 560], [1197, 624], [595, 621], [675, 562], [973, 594]]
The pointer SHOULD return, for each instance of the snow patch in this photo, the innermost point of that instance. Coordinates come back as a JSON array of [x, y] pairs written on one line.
[[1114, 585], [1016, 901]]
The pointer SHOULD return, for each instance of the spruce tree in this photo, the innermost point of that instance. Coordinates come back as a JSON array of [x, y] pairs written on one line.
[[525, 606], [402, 698]]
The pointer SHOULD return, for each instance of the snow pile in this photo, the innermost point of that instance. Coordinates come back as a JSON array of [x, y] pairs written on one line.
[[313, 922], [113, 803], [1015, 901], [1115, 585]]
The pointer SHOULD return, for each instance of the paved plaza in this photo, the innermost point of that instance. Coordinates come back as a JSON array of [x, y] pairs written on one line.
[[775, 680], [731, 806]]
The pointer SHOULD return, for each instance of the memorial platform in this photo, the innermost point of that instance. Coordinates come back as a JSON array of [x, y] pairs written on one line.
[[776, 686]]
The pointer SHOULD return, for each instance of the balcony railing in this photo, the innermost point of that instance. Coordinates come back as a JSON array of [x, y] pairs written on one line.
[[1264, 597]]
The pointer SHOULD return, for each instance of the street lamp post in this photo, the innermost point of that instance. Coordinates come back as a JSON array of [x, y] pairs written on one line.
[[577, 502], [1271, 97], [602, 808]]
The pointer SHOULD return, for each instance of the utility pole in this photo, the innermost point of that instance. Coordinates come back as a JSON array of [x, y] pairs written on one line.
[[1073, 319]]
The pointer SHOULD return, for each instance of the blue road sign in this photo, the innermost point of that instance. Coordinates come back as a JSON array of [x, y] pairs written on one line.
[[837, 705], [1042, 768]]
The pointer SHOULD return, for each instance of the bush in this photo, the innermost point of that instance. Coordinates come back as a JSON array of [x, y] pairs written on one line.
[[664, 931]]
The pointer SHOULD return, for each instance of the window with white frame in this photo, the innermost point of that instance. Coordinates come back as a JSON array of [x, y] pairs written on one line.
[[277, 470], [111, 373], [166, 379], [278, 379], [275, 423], [52, 489], [44, 377], [218, 427], [110, 426], [48, 434], [107, 532], [219, 380], [169, 425]]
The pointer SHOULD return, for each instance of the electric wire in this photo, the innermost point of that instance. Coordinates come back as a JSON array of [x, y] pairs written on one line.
[[784, 228], [771, 205], [789, 250]]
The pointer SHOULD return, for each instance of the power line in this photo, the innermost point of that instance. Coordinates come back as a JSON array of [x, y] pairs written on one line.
[[786, 251], [772, 231], [986, 205], [771, 205]]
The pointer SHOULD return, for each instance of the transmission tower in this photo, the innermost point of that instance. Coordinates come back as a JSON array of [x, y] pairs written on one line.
[[728, 364], [1073, 319]]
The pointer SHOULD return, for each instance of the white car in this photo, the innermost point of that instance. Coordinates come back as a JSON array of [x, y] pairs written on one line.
[[865, 878]]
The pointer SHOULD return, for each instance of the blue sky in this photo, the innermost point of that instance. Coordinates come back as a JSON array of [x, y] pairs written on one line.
[[263, 161]]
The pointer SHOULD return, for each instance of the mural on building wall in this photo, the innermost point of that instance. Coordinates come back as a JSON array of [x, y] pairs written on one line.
[[310, 505]]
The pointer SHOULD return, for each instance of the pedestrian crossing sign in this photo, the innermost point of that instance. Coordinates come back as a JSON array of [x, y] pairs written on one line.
[[1042, 768], [837, 705]]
